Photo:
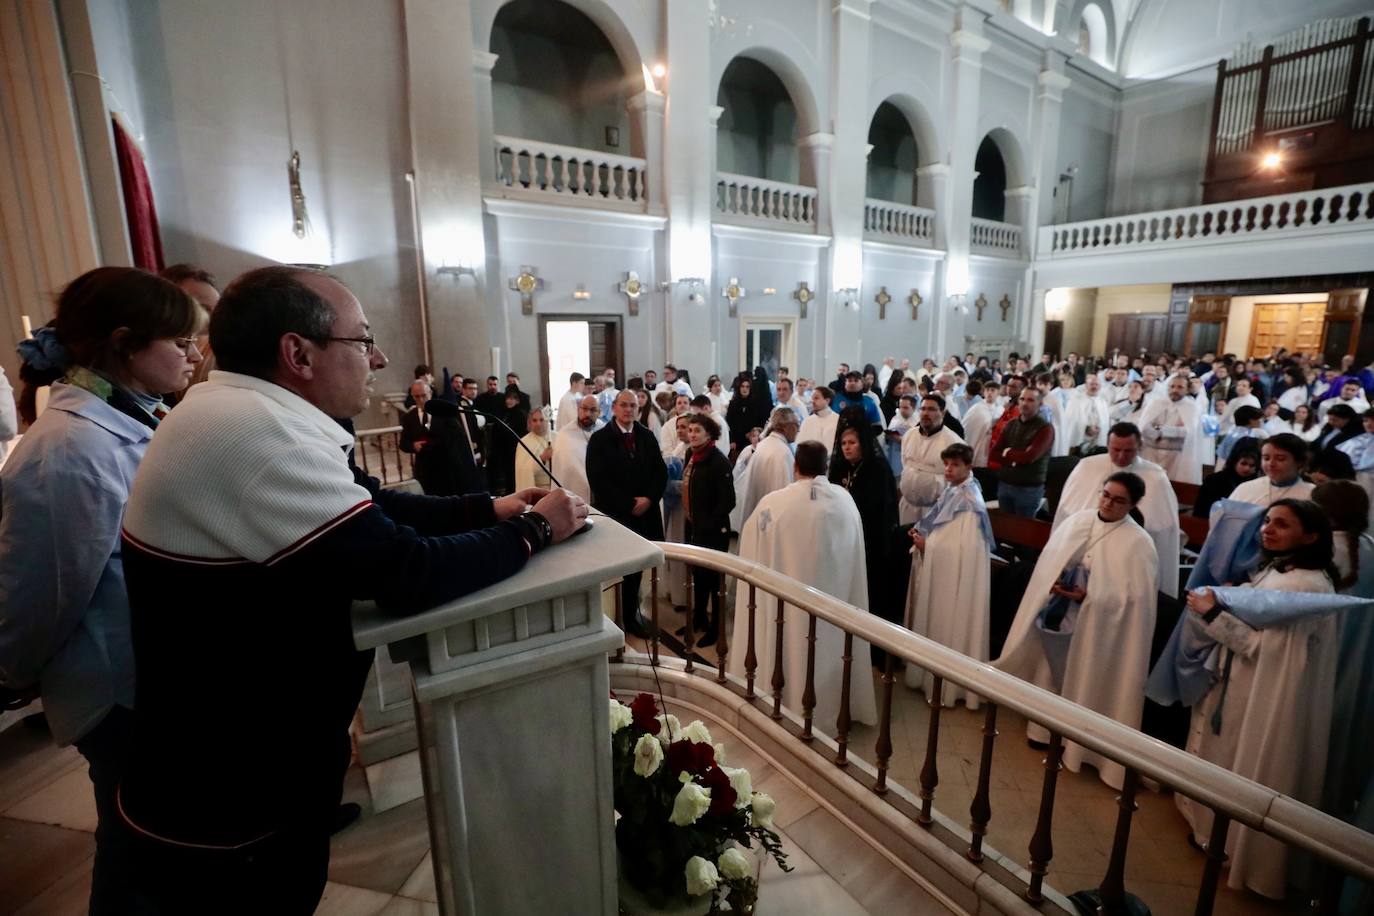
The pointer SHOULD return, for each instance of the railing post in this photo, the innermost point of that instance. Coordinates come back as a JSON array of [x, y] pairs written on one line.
[[980, 809], [779, 681], [809, 692], [1211, 872], [751, 660], [883, 749], [689, 639], [722, 642], [1112, 891], [842, 720], [930, 774], [653, 616], [618, 588], [1041, 845]]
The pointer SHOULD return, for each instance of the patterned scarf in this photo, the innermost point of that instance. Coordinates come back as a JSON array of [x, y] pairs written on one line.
[[144, 408]]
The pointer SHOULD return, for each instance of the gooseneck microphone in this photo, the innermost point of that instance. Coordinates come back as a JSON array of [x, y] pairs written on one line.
[[519, 440]]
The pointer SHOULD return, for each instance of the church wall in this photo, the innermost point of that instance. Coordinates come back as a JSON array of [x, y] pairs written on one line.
[[1161, 143], [756, 141], [1075, 306], [901, 271], [1087, 134], [762, 260], [993, 278], [1139, 299], [1240, 317], [112, 31]]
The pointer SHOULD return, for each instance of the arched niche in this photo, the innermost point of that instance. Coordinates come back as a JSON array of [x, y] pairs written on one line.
[[1093, 24], [762, 118], [900, 146], [562, 77]]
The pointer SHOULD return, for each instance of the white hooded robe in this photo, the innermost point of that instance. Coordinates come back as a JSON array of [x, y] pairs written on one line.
[[1180, 423]]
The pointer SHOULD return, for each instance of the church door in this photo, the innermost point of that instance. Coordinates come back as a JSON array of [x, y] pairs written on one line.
[[587, 344]]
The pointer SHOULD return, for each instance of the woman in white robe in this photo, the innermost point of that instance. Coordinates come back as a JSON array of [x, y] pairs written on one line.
[[1281, 461], [950, 590], [1111, 620], [1267, 717]]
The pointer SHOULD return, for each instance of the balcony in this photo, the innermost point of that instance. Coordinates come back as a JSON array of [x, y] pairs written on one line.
[[758, 202], [901, 224], [989, 237], [547, 172]]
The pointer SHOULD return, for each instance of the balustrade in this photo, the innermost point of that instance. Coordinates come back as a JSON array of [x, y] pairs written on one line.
[[378, 453], [1278, 216], [775, 203], [994, 237], [569, 172], [886, 220], [1341, 846]]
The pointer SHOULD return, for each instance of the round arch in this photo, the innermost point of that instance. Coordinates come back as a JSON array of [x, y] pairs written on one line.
[[793, 80], [1012, 156], [920, 122], [622, 41], [1100, 19]]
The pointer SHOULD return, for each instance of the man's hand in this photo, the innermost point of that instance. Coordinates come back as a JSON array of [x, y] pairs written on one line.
[[1201, 601], [566, 512], [1073, 594], [547, 455], [918, 540], [509, 506], [642, 504]]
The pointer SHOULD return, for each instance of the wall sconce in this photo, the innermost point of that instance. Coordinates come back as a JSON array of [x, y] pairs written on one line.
[[849, 297], [581, 292], [958, 302], [456, 272], [696, 287], [769, 290]]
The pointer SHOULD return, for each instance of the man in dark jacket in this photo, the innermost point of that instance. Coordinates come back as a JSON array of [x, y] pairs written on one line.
[[627, 475], [1023, 451]]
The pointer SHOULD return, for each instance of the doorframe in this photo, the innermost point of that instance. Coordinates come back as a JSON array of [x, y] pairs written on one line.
[[789, 338], [546, 317]]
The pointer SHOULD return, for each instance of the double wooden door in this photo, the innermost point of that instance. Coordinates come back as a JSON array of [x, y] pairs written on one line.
[[1132, 334], [1297, 326]]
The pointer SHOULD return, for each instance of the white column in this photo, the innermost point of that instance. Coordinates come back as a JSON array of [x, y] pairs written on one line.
[[485, 113], [1036, 202], [932, 190], [646, 126], [838, 332], [816, 150]]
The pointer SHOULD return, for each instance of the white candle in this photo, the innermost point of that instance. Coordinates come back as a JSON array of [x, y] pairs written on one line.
[[28, 326]]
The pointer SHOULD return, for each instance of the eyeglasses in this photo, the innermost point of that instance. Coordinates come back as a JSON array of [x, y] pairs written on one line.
[[186, 344], [369, 343]]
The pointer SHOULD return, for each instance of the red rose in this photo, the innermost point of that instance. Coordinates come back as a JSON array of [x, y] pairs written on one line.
[[723, 796], [645, 710], [690, 757]]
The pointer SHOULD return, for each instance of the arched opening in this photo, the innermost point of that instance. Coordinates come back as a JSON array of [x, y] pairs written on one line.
[[990, 185], [1094, 41], [758, 128], [893, 161], [558, 79]]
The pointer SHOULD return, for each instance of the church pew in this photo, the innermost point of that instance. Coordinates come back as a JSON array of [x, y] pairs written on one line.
[[1187, 494], [1018, 530], [1194, 530], [1011, 570]]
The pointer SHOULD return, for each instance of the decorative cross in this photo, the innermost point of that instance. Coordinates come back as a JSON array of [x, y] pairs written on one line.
[[915, 300], [1005, 305], [631, 286], [733, 293], [980, 303], [526, 283], [882, 299], [803, 295]]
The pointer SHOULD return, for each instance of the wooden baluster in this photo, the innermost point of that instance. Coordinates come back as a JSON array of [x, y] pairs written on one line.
[[360, 448], [842, 720], [1041, 846], [883, 749], [1211, 872], [1112, 890], [619, 621], [930, 773], [779, 681], [980, 809], [690, 637], [751, 660], [722, 643], [653, 616], [809, 692]]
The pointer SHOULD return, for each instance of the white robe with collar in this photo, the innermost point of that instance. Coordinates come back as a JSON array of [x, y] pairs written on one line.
[[570, 458], [817, 428], [769, 468], [1085, 410], [1109, 656], [923, 473], [1160, 507], [527, 472], [1180, 422], [811, 531], [1262, 492], [978, 430]]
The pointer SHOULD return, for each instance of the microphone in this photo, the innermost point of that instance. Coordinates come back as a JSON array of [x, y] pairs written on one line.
[[519, 440]]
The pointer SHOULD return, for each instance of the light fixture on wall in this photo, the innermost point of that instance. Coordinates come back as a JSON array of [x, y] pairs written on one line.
[[848, 297], [696, 287], [300, 217], [1271, 161], [581, 293]]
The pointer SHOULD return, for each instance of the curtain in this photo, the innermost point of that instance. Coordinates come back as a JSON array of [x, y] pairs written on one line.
[[144, 237]]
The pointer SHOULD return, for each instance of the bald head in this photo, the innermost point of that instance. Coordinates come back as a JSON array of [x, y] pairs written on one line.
[[588, 411]]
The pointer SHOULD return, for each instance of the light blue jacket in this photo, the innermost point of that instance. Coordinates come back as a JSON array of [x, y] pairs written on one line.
[[64, 613]]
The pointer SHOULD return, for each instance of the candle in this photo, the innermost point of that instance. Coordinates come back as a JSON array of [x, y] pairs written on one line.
[[28, 326]]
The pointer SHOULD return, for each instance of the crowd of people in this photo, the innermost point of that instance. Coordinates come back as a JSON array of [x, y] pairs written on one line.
[[240, 493]]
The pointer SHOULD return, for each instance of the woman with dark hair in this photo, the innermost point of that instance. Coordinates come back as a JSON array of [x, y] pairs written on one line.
[[649, 414], [708, 495], [740, 415], [1267, 714], [860, 467], [122, 338], [1305, 424], [892, 398], [1241, 465], [761, 396], [1341, 426], [1282, 458]]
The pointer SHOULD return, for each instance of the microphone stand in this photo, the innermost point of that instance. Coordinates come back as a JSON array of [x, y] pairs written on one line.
[[519, 440]]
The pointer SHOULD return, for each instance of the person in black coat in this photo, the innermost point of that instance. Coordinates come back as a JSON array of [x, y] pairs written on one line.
[[1241, 465], [627, 475], [708, 496], [445, 466]]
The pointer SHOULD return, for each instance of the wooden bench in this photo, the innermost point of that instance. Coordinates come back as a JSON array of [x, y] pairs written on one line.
[[1018, 530], [1194, 530], [1187, 494]]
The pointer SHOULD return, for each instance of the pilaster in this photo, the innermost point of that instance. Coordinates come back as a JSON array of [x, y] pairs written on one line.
[[646, 125]]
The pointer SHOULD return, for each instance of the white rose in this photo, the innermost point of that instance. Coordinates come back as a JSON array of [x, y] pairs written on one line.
[[701, 876], [691, 803], [733, 864], [648, 755], [696, 733], [620, 716], [720, 755], [763, 809], [669, 729], [742, 783]]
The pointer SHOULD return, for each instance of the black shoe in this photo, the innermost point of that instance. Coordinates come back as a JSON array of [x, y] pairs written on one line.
[[1038, 745], [707, 640], [637, 625], [345, 815]]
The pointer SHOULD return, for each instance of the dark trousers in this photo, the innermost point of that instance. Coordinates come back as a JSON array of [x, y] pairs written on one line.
[[629, 595], [705, 587], [105, 748]]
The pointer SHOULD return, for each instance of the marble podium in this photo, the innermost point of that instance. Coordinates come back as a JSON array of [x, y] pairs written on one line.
[[510, 690]]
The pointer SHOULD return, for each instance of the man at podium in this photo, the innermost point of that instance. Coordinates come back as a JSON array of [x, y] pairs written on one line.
[[245, 543]]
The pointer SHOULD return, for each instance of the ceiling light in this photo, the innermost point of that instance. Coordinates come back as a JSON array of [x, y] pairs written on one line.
[[659, 71]]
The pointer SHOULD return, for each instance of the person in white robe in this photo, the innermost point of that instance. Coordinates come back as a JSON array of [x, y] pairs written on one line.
[[950, 590], [768, 468], [1267, 714], [1058, 400], [1281, 461], [1172, 430], [568, 403], [923, 473], [570, 447], [1352, 395], [1108, 622], [668, 439], [674, 518], [1150, 385], [979, 420], [1240, 397], [885, 373], [528, 472], [1116, 385], [789, 398], [809, 530], [1159, 507], [820, 426], [1086, 419]]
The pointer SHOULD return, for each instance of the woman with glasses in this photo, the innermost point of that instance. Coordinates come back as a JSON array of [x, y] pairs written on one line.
[[122, 338]]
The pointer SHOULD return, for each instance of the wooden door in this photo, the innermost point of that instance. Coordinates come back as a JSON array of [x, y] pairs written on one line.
[[1134, 333], [1344, 317], [1295, 325], [1054, 338], [605, 345]]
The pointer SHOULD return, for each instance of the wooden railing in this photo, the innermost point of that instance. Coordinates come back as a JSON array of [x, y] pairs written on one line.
[[994, 237], [741, 198], [569, 172], [1282, 215], [378, 453], [885, 220], [1341, 846]]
